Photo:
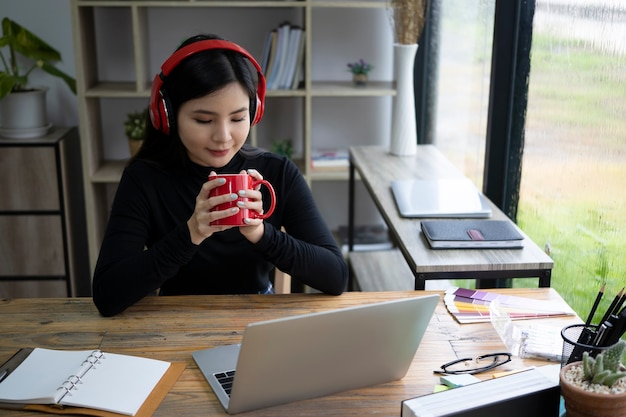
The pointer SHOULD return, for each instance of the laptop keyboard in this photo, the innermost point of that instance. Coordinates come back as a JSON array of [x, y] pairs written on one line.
[[226, 380]]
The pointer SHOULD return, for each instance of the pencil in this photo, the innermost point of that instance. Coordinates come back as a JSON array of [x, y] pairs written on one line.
[[620, 305], [595, 305], [609, 311]]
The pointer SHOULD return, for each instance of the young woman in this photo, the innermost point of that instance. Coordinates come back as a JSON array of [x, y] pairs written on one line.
[[159, 237]]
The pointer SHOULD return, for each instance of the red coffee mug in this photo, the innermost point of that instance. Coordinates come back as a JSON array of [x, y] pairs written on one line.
[[234, 183]]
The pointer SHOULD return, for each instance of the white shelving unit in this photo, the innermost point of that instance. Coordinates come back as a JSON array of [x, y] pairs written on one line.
[[120, 45]]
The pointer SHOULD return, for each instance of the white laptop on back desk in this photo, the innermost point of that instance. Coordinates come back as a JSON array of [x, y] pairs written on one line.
[[456, 198], [317, 354]]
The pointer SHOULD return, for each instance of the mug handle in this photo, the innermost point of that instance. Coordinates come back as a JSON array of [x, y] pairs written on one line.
[[269, 212]]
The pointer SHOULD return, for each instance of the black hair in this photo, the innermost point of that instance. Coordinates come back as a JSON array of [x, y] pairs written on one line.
[[195, 76]]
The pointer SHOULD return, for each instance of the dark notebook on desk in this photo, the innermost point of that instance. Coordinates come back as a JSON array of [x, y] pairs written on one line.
[[471, 234], [317, 354]]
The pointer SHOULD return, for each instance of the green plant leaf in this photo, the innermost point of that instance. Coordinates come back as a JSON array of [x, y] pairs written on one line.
[[28, 44], [21, 41], [7, 81], [71, 82]]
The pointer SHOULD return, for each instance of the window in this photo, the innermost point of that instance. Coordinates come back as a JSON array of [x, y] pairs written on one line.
[[464, 47], [573, 187]]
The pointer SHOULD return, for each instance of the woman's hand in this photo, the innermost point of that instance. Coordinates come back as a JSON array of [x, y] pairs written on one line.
[[255, 227], [200, 222]]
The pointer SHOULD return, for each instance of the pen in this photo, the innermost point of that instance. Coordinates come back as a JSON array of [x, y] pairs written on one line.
[[620, 303], [603, 334], [609, 311], [619, 327], [595, 305]]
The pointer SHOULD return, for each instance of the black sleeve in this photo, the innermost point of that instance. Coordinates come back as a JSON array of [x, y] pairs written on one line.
[[306, 249], [125, 271]]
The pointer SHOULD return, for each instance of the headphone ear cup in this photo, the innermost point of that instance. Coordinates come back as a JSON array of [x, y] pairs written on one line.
[[167, 115], [157, 108], [258, 113], [159, 113]]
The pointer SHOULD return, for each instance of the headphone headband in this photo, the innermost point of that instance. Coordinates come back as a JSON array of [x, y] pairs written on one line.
[[160, 111]]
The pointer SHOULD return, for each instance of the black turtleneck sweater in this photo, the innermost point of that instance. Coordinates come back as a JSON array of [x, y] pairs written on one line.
[[147, 247]]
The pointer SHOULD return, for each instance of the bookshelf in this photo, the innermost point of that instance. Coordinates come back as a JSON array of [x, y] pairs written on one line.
[[120, 45]]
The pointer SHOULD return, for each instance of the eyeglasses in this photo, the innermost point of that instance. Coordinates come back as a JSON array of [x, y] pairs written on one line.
[[473, 365]]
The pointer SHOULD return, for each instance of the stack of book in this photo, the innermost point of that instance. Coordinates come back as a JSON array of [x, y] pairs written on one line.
[[330, 159], [283, 57]]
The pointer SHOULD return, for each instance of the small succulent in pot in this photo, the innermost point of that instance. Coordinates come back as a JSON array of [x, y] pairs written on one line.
[[360, 70], [135, 125], [135, 129], [360, 67], [596, 387], [605, 368]]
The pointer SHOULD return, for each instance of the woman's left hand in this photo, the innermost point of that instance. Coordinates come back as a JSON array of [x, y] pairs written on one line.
[[255, 227]]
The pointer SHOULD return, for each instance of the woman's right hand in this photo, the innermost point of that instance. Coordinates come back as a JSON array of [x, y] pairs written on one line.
[[200, 222]]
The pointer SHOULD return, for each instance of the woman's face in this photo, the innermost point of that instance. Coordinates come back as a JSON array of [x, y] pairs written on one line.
[[214, 127]]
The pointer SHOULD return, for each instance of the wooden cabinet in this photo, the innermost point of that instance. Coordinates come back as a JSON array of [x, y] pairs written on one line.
[[120, 45], [43, 244]]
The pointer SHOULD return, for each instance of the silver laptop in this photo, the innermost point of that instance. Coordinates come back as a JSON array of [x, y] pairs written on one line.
[[317, 354], [439, 198]]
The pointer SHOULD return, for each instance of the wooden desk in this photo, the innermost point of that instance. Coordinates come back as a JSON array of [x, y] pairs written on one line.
[[171, 328], [377, 168]]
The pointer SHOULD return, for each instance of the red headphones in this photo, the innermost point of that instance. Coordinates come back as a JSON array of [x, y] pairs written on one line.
[[161, 114]]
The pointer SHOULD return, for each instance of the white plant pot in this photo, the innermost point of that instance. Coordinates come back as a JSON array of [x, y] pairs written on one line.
[[403, 125], [24, 115]]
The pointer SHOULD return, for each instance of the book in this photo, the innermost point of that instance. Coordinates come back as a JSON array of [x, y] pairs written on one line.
[[280, 61], [297, 76], [271, 53], [89, 379], [534, 392], [267, 49], [330, 159], [295, 34], [471, 234], [474, 306]]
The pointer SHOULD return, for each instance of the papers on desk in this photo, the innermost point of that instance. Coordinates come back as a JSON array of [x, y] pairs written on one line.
[[528, 339], [472, 306]]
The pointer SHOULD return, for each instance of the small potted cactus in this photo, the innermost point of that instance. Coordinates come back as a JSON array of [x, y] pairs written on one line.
[[596, 387]]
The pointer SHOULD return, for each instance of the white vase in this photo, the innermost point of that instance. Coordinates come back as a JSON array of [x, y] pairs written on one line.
[[403, 125]]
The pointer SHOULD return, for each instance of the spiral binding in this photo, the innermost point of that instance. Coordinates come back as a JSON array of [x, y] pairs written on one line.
[[72, 382]]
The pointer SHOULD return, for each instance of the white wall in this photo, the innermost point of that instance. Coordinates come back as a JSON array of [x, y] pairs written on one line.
[[51, 21]]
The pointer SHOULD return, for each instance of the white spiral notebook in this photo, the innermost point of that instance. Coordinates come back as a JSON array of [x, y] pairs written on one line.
[[83, 378]]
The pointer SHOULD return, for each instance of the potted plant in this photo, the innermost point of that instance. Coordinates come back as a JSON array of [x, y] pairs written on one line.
[[595, 387], [283, 147], [135, 129], [359, 71], [23, 107]]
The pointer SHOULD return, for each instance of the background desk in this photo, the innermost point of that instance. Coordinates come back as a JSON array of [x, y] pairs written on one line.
[[171, 328], [377, 168]]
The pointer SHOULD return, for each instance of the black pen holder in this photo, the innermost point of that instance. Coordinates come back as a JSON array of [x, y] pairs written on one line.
[[579, 338]]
